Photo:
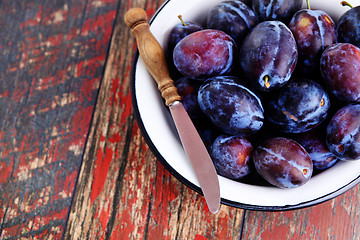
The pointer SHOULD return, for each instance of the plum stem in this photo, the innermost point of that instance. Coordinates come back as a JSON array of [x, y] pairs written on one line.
[[266, 80], [341, 148], [308, 4], [182, 21], [322, 103], [345, 3], [292, 117]]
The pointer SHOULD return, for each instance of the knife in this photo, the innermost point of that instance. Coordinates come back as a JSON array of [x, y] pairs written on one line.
[[154, 58]]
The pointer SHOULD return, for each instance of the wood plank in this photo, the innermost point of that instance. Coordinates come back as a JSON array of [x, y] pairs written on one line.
[[51, 64], [338, 218], [123, 192], [52, 56]]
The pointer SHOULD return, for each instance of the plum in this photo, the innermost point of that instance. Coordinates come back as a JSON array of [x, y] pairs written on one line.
[[230, 106], [180, 31], [207, 130], [268, 55], [232, 17], [231, 156], [298, 107], [314, 31], [340, 69], [314, 143], [281, 10], [187, 89], [283, 162], [247, 2], [204, 54], [343, 132], [177, 33], [348, 28]]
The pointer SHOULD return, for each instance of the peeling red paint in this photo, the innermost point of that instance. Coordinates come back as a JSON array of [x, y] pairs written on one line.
[[98, 24], [325, 218], [277, 232], [49, 109], [32, 22], [102, 137], [5, 170], [104, 218], [114, 92], [102, 164], [127, 108], [200, 237], [161, 200], [72, 34], [5, 94], [55, 40], [127, 72], [125, 227], [80, 120], [115, 138]]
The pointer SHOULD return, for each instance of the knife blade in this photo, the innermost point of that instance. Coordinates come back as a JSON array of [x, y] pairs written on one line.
[[154, 58]]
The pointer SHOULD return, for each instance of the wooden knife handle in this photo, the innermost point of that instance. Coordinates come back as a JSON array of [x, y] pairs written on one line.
[[152, 53]]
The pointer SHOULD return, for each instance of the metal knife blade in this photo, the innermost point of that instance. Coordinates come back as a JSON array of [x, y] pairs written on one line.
[[154, 58], [198, 155]]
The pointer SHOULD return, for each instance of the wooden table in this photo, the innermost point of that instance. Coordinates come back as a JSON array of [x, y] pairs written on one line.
[[73, 163]]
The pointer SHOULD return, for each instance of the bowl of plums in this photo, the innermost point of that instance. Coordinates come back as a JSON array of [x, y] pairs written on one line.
[[272, 87]]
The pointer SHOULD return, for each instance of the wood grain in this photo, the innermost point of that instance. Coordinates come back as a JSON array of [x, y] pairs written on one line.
[[334, 219], [65, 108], [123, 191], [51, 61]]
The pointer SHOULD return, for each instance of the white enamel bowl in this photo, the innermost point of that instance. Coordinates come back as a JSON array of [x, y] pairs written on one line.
[[159, 131]]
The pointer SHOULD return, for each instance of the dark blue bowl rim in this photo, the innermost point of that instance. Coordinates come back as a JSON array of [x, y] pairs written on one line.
[[196, 188]]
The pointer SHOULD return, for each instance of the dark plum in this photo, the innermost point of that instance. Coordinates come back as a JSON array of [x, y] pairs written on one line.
[[283, 162], [281, 10], [205, 54], [187, 89], [247, 2], [314, 31], [314, 143], [340, 69], [232, 17], [348, 27], [343, 133], [230, 106], [231, 156], [177, 33], [268, 55], [298, 107], [207, 130], [180, 31], [266, 132]]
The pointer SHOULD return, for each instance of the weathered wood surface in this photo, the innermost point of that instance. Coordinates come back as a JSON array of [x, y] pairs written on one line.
[[52, 56], [131, 195], [73, 162], [335, 219]]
